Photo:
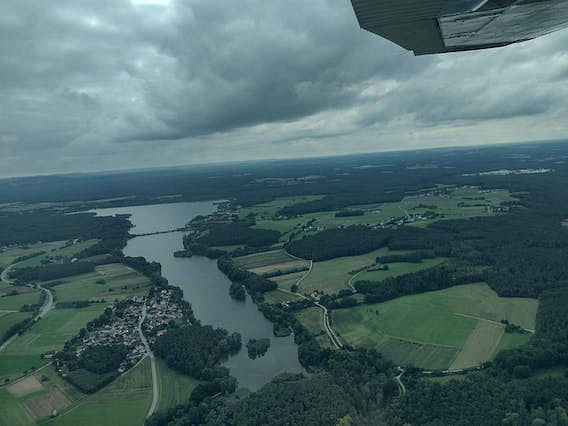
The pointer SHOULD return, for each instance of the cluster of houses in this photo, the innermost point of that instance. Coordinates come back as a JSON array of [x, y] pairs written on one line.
[[123, 330], [162, 308]]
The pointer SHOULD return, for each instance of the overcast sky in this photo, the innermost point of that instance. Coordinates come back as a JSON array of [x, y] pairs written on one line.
[[112, 84]]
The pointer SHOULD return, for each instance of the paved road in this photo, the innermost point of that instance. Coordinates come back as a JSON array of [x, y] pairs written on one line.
[[327, 326], [332, 336], [401, 387], [47, 306], [350, 282], [4, 275], [153, 363]]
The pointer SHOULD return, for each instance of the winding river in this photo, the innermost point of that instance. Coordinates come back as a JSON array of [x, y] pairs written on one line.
[[207, 289]]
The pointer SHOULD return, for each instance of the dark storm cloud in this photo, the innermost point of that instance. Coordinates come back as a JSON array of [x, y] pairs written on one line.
[[119, 83]]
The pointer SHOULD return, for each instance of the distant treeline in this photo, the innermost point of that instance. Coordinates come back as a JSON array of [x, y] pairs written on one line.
[[413, 257], [339, 201], [51, 272], [349, 213], [18, 228]]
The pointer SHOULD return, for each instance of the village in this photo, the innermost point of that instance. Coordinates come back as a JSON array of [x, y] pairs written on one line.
[[151, 315]]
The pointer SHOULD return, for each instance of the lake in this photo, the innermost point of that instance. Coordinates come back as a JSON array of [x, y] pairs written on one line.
[[207, 289]]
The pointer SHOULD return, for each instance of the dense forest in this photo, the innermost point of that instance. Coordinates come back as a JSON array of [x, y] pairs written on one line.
[[238, 233], [30, 227], [332, 243], [195, 349], [51, 272]]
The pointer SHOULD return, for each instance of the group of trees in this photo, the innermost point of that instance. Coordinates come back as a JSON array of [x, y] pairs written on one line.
[[412, 257], [349, 213], [195, 349], [484, 400], [53, 225], [237, 233], [17, 328], [257, 347], [333, 243], [255, 284], [419, 282], [51, 272], [102, 359], [341, 200]]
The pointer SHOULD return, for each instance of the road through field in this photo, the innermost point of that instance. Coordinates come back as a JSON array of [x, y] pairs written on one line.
[[326, 324], [46, 307], [154, 403], [488, 320]]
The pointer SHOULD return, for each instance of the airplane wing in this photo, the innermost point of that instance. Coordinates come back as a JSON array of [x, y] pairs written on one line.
[[440, 26]]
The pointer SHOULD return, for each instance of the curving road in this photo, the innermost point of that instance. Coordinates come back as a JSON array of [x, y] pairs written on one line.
[[326, 324], [153, 364], [46, 307], [4, 275], [401, 387]]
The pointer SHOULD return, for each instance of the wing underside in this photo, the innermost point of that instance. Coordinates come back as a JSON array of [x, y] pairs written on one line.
[[438, 26]]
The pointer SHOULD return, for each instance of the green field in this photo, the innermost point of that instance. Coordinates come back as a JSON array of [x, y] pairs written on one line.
[[8, 255], [266, 258], [11, 412], [330, 276], [271, 208], [400, 268], [433, 329], [12, 408], [115, 277], [10, 318], [463, 202], [288, 280], [312, 319], [278, 296], [123, 402], [173, 388], [55, 253], [50, 333], [14, 303]]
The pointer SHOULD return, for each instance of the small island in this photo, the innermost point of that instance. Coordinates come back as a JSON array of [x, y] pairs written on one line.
[[237, 291], [257, 347]]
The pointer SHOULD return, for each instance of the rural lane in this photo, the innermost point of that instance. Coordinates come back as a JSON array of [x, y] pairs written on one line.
[[46, 307], [401, 386], [153, 364], [327, 326]]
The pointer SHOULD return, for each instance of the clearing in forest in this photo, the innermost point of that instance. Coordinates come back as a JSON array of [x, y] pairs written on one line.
[[434, 330], [331, 276], [275, 262]]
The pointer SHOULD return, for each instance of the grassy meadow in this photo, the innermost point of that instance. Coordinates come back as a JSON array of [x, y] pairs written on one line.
[[173, 388], [433, 330], [123, 402], [462, 202]]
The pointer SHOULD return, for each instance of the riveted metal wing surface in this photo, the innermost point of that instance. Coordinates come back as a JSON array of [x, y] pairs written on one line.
[[439, 26]]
